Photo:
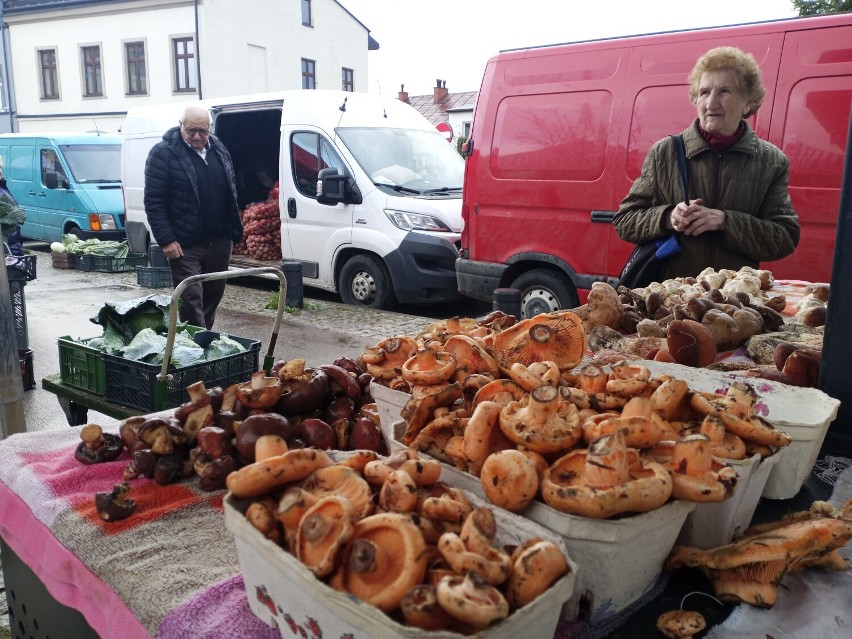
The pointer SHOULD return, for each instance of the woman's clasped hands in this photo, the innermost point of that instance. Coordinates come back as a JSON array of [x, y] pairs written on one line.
[[695, 219]]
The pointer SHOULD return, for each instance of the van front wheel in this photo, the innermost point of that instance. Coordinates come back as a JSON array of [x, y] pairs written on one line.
[[365, 281], [544, 291]]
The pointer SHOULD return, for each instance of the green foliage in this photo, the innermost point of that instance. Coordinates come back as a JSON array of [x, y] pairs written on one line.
[[272, 304], [459, 142], [821, 7]]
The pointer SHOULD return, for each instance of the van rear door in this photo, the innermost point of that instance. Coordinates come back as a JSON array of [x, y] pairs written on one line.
[[52, 203], [20, 172], [810, 123]]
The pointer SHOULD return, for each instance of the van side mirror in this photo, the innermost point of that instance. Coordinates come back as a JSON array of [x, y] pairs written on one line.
[[333, 188], [54, 180]]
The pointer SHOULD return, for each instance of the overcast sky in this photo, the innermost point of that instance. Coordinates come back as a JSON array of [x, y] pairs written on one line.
[[423, 40]]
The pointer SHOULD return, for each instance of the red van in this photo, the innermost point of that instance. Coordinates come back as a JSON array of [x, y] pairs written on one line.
[[560, 133]]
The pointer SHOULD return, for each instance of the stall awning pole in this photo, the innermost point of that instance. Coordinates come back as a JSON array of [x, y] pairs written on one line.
[[12, 418], [835, 376]]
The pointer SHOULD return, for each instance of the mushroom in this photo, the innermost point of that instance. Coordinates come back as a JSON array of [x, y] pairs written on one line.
[[592, 379], [162, 435], [605, 480], [493, 565], [342, 481], [418, 410], [602, 307], [302, 393], [421, 609], [386, 558], [444, 503], [260, 392], [557, 337], [342, 382], [424, 471], [690, 343], [542, 422], [750, 569], [384, 360], [471, 600], [398, 493], [680, 624], [534, 569], [696, 475], [255, 426], [97, 446], [292, 506], [471, 358], [267, 446], [199, 410], [427, 367], [722, 443], [501, 391], [323, 532], [752, 428], [267, 475], [116, 504], [483, 436], [214, 442], [627, 379], [261, 515], [435, 436], [509, 479]]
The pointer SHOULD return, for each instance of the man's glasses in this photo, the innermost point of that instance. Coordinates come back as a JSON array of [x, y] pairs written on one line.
[[193, 131]]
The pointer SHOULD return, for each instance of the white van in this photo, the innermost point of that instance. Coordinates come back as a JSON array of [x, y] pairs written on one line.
[[386, 225]]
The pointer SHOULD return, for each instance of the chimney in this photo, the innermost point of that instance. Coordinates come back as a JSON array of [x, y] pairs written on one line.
[[440, 91], [403, 95]]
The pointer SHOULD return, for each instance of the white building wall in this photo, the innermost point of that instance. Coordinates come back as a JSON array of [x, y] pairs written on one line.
[[246, 47]]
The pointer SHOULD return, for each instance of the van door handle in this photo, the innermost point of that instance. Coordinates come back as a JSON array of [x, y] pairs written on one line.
[[603, 216], [42, 194], [30, 192], [291, 208]]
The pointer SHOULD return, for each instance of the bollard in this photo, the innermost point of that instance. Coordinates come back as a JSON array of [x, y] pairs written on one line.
[[292, 270], [507, 300]]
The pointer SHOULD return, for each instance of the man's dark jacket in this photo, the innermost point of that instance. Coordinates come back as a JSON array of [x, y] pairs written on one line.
[[171, 192]]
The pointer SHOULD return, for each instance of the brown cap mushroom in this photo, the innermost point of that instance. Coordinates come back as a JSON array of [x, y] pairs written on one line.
[[690, 343], [386, 559], [97, 446], [116, 504], [161, 435], [199, 410], [680, 624], [261, 392]]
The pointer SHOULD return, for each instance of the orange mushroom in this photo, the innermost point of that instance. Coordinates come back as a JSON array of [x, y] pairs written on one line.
[[387, 557], [722, 443], [424, 471], [534, 569], [417, 411], [534, 375], [627, 379], [605, 480], [542, 422], [509, 479], [265, 476], [342, 481], [680, 624], [501, 391], [384, 360], [421, 609], [471, 358], [493, 565], [558, 337], [323, 532], [292, 506], [592, 379], [471, 600], [483, 436], [427, 367], [398, 493], [696, 475]]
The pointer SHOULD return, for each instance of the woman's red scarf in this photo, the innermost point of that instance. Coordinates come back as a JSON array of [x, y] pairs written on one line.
[[720, 143]]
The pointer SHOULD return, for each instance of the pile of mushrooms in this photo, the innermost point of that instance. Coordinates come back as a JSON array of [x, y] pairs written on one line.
[[538, 428], [750, 569], [385, 530]]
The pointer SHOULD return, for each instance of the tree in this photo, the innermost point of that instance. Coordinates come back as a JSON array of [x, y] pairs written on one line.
[[821, 7]]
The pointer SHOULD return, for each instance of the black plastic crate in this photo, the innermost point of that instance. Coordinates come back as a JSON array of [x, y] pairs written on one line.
[[21, 268], [105, 264], [19, 311], [134, 383], [154, 277], [156, 257], [25, 355]]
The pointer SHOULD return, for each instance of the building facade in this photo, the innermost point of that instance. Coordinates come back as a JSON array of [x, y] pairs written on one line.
[[79, 65]]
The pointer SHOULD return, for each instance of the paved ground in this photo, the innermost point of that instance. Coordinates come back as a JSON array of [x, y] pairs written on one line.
[[60, 302]]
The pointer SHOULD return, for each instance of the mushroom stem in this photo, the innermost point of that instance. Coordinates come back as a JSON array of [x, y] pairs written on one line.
[[543, 400], [368, 560], [691, 456], [541, 333], [606, 461], [713, 428], [93, 435]]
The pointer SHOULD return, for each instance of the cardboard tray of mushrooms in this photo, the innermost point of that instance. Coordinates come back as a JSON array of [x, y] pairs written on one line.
[[285, 593]]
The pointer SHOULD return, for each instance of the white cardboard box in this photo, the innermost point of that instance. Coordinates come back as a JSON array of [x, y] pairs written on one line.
[[803, 413], [620, 559], [390, 404], [285, 594], [714, 525]]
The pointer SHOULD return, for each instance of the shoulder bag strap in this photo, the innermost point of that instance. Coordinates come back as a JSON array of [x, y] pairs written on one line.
[[680, 147]]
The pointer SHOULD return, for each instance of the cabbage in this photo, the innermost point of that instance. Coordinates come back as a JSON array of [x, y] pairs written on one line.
[[57, 247], [223, 346]]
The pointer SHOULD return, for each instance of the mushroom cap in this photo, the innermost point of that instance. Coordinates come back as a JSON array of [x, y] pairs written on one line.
[[471, 358], [260, 392], [680, 624], [323, 531], [97, 446], [500, 390], [417, 411], [387, 557], [509, 479], [690, 343], [542, 421], [534, 570], [483, 436], [421, 609], [435, 436], [472, 601], [116, 504], [558, 337], [427, 367], [342, 481]]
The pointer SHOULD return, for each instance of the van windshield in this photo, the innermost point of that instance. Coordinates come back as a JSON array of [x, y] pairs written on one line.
[[93, 162], [406, 160]]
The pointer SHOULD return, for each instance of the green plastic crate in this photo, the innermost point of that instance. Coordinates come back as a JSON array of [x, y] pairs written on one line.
[[133, 383], [81, 366], [104, 264]]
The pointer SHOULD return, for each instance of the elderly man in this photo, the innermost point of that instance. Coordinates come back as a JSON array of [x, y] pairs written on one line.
[[191, 204]]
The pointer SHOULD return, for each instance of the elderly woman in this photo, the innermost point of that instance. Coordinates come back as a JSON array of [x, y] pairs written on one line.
[[739, 210]]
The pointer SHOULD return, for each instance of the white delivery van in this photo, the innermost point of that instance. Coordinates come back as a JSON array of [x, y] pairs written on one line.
[[369, 193]]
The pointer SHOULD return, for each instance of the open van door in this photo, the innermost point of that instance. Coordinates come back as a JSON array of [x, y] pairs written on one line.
[[52, 189]]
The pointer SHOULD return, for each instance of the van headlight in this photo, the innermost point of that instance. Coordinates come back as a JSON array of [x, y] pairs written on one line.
[[102, 222], [416, 221]]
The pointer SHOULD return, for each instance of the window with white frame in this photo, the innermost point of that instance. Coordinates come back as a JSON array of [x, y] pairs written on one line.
[[307, 16], [309, 74], [185, 73], [48, 74], [137, 77], [93, 81], [348, 79]]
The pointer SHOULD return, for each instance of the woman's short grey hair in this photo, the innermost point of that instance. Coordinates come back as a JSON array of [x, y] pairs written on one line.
[[731, 59]]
